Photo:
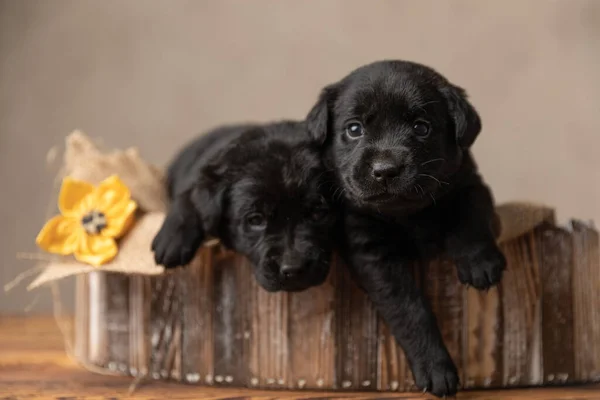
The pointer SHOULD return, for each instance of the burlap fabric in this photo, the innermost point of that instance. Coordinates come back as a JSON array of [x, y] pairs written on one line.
[[85, 161]]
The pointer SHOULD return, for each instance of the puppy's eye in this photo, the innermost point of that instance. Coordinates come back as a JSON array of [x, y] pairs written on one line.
[[421, 128], [256, 221], [354, 130]]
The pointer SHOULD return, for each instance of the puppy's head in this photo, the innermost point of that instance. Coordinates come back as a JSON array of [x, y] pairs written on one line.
[[267, 197], [396, 131]]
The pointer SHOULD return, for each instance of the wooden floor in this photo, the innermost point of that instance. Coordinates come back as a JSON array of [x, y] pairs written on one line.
[[33, 365]]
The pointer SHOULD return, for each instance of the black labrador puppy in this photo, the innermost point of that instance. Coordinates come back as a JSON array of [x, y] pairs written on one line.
[[398, 135], [261, 189]]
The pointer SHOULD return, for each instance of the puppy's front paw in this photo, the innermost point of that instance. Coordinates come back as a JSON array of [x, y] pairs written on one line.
[[437, 375], [482, 269], [177, 241]]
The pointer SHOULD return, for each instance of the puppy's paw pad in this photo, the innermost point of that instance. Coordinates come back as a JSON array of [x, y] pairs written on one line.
[[482, 270], [440, 378], [176, 243]]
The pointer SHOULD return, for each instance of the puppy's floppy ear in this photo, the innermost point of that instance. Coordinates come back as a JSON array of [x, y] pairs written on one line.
[[318, 119], [208, 198], [467, 123], [209, 193]]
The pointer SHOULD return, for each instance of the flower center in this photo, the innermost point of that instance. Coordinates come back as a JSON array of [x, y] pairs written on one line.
[[93, 222]]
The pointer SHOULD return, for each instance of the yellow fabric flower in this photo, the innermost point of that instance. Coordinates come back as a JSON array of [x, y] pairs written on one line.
[[90, 221]]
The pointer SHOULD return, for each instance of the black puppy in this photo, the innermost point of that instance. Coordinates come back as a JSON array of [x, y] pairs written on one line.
[[262, 190], [398, 136]]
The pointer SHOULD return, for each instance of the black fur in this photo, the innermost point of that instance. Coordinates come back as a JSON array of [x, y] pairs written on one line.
[[398, 136], [262, 190]]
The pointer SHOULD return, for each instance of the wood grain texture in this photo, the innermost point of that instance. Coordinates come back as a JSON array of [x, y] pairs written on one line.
[[198, 325], [117, 317], [82, 320], [483, 334], [33, 365], [212, 323], [232, 312], [586, 312], [356, 333], [312, 336], [520, 293], [97, 341], [555, 252], [165, 326], [139, 314], [446, 296], [269, 337], [394, 373]]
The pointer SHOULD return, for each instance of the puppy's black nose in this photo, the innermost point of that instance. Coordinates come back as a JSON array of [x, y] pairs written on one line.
[[289, 271], [384, 170]]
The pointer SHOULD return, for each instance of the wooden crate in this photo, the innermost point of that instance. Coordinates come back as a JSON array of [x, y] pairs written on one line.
[[211, 324]]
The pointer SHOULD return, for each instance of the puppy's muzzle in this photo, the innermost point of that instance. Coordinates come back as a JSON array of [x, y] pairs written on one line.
[[384, 169], [297, 272], [290, 271]]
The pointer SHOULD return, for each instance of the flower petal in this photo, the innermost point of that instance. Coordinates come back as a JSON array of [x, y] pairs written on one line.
[[112, 196], [75, 198], [60, 235], [96, 250], [118, 224]]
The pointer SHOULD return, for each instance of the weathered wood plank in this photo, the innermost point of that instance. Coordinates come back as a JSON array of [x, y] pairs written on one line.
[[483, 332], [586, 295], [555, 252], [82, 318], [233, 333], [98, 331], [198, 325], [394, 372], [117, 317], [172, 367], [312, 338], [520, 295], [269, 343], [139, 318], [232, 310], [356, 333], [165, 328]]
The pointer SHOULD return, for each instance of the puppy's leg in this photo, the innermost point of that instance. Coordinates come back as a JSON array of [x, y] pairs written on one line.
[[393, 291], [471, 243], [378, 258], [180, 235]]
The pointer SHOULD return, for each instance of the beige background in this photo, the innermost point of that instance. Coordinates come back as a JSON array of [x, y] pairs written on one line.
[[154, 73]]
